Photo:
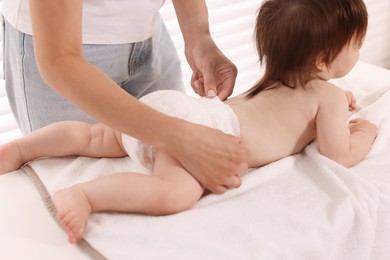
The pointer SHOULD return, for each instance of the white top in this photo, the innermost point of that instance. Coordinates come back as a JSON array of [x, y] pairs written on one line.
[[104, 21]]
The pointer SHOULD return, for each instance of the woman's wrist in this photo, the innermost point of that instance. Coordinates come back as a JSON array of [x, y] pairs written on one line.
[[200, 41], [172, 136]]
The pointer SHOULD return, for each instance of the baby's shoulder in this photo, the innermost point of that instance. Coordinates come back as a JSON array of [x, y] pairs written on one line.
[[330, 97], [325, 90]]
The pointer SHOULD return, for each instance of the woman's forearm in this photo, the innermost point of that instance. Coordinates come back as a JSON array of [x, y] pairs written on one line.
[[193, 19]]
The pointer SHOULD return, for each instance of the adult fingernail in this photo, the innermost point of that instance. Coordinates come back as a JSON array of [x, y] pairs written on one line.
[[211, 93]]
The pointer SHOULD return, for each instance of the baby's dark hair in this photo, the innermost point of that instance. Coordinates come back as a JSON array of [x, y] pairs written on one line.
[[291, 34]]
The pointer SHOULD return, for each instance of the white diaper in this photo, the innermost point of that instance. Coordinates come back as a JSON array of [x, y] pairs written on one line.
[[210, 112]]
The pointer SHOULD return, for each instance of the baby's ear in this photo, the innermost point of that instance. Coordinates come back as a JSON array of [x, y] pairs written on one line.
[[320, 63]]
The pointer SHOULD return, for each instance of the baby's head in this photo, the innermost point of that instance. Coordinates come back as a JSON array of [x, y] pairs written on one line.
[[293, 36]]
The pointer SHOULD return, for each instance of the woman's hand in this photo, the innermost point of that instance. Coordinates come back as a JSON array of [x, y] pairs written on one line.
[[215, 159], [213, 73]]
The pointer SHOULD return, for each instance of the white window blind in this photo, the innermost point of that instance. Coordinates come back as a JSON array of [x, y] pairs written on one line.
[[231, 25]]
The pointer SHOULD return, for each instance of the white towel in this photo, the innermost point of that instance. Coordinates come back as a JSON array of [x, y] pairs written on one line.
[[301, 207]]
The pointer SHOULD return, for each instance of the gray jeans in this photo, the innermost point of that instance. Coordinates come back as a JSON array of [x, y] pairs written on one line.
[[139, 68]]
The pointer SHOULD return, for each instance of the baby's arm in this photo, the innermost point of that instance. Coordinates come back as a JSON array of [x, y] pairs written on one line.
[[346, 145]]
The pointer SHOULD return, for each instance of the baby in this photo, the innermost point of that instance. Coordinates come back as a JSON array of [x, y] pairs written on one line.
[[303, 44]]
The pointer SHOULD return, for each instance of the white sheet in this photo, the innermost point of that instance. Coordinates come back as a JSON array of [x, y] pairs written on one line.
[[27, 230], [301, 207]]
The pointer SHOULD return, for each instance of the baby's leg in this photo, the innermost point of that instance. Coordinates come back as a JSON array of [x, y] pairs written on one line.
[[170, 190], [61, 139], [73, 210], [179, 190]]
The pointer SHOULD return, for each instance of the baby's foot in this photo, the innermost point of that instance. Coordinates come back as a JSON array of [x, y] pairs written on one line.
[[10, 157], [73, 211]]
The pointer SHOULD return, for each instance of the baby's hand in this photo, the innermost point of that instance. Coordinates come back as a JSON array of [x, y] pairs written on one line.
[[351, 100], [360, 124]]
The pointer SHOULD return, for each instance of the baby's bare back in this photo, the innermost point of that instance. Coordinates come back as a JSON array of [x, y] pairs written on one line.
[[277, 122]]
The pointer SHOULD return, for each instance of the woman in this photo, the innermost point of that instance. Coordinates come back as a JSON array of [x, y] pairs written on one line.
[[83, 50]]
